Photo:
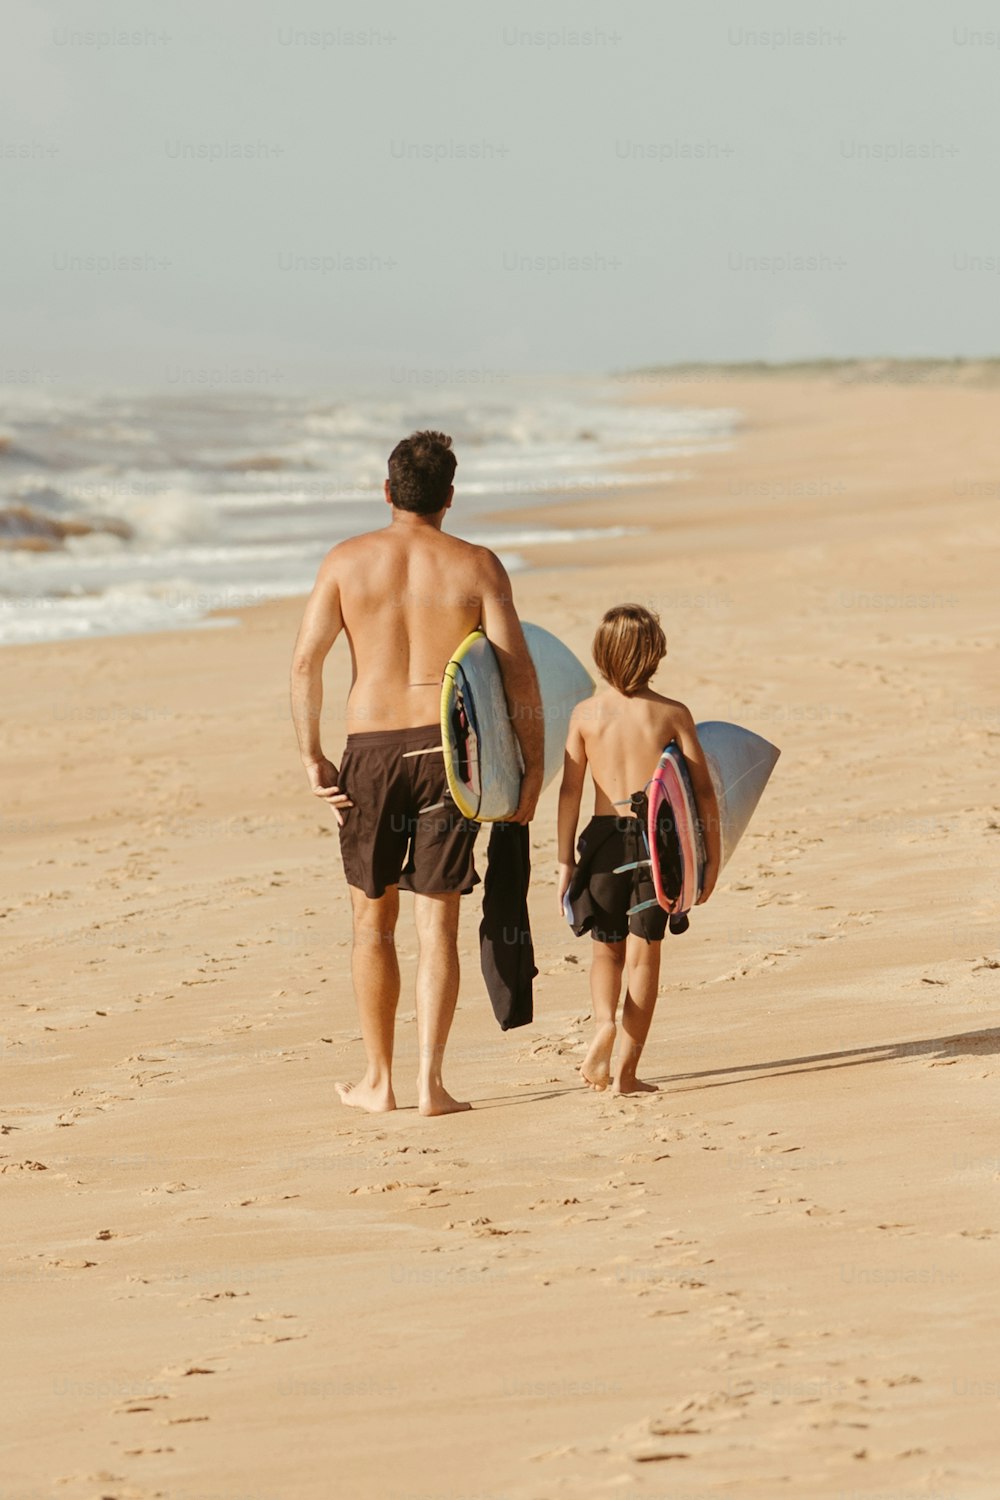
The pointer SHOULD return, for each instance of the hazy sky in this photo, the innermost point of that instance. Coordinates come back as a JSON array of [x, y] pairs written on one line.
[[475, 188]]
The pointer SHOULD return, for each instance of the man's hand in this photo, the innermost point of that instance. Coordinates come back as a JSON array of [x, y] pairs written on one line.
[[709, 878], [531, 789], [323, 775], [563, 883]]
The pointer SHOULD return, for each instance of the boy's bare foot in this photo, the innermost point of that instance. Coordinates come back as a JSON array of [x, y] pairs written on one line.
[[436, 1100], [376, 1098], [596, 1067], [635, 1086]]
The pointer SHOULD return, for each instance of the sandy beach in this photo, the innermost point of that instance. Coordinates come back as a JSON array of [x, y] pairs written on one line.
[[776, 1276]]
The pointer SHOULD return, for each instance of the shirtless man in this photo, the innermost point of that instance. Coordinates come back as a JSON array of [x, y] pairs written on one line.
[[406, 596]]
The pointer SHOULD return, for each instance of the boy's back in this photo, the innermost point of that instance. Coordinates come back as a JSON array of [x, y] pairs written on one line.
[[622, 739]]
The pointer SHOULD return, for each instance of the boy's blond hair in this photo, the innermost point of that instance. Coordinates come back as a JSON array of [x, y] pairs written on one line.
[[629, 646]]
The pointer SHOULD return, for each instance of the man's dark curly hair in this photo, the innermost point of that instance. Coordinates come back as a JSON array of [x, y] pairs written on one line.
[[421, 470]]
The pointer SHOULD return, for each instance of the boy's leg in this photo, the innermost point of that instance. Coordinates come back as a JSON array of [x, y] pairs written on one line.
[[375, 973], [606, 967], [643, 962], [437, 995]]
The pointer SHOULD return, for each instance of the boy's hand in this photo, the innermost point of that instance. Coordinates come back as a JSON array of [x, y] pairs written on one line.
[[709, 878], [563, 883]]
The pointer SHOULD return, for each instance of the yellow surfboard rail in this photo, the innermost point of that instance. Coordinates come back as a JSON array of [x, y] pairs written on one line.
[[449, 687]]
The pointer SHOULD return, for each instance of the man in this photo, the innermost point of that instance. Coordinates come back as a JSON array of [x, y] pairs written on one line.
[[406, 596]]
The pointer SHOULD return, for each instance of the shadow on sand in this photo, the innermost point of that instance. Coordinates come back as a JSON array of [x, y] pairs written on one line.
[[944, 1048]]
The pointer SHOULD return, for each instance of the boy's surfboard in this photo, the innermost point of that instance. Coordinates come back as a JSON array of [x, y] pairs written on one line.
[[740, 763], [482, 757], [670, 789]]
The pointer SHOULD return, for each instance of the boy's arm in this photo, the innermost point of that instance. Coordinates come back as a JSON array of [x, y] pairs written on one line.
[[570, 796], [708, 806]]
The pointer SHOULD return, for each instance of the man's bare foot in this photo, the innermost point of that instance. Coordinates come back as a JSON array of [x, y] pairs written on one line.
[[596, 1067], [376, 1098], [635, 1086], [436, 1100]]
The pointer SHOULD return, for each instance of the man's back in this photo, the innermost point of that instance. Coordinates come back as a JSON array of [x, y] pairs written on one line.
[[408, 596]]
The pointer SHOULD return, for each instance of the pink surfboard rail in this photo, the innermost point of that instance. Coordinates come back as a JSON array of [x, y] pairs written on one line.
[[670, 784]]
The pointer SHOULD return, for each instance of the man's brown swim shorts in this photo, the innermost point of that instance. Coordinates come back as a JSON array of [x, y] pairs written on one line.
[[404, 827]]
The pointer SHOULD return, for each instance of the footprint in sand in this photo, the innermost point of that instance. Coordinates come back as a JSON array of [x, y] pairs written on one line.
[[433, 1201], [482, 1227], [214, 1297], [273, 1337], [134, 1407], [111, 1486], [263, 1200]]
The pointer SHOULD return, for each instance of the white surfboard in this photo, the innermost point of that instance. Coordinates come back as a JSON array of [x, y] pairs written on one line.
[[740, 763], [481, 753]]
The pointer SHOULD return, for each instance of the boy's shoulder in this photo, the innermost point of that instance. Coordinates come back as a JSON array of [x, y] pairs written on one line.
[[677, 718], [601, 706], [672, 706]]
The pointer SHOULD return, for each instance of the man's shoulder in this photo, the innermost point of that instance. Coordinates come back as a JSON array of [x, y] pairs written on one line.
[[469, 549], [474, 562], [349, 547]]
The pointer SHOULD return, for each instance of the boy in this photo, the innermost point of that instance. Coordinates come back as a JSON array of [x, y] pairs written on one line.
[[620, 734]]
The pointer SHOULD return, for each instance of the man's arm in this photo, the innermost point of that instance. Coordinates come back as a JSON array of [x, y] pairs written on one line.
[[570, 797], [708, 807], [321, 625], [524, 704]]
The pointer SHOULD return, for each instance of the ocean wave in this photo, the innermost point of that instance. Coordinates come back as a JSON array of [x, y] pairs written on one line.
[[11, 453], [107, 498], [24, 528], [265, 463], [547, 536]]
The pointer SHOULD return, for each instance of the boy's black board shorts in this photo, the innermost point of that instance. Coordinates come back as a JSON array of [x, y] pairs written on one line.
[[599, 898]]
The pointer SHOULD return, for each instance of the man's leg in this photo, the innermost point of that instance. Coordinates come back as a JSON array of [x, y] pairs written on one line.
[[375, 973], [437, 995], [643, 963], [607, 960]]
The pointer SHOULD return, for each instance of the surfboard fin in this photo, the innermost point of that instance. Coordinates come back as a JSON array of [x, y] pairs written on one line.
[[643, 906], [637, 864]]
